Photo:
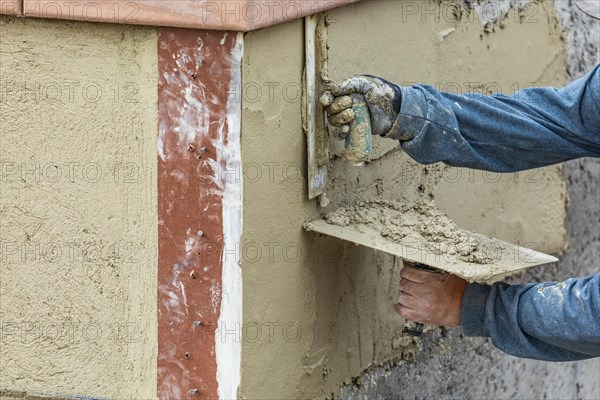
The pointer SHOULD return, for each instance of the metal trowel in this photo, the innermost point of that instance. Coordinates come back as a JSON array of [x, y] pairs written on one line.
[[510, 258]]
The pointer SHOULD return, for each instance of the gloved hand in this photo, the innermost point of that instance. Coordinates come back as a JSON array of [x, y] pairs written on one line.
[[383, 99]]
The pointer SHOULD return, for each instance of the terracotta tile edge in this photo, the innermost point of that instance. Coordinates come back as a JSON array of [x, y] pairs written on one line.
[[11, 7], [242, 15]]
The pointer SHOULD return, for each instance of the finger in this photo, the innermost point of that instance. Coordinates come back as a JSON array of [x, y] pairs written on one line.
[[342, 118], [407, 300], [345, 130], [409, 287], [355, 84], [412, 274], [327, 99], [417, 275], [405, 312], [339, 104]]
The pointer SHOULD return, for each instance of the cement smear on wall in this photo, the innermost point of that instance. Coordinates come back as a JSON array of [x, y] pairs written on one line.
[[318, 312], [526, 207], [457, 56], [582, 33], [450, 366], [78, 209]]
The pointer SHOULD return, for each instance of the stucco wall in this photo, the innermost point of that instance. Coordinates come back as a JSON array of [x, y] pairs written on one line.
[[279, 286], [78, 209], [473, 368], [453, 54], [318, 312], [79, 269]]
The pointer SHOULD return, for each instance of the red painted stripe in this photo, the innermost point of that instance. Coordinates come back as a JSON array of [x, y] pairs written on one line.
[[194, 78]]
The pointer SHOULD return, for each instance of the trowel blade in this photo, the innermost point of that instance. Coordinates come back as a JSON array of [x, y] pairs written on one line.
[[513, 257]]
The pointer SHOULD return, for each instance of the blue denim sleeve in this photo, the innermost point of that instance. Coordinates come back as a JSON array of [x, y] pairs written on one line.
[[547, 321], [530, 129]]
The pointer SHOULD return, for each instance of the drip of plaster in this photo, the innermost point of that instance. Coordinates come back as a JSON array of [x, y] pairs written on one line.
[[228, 352]]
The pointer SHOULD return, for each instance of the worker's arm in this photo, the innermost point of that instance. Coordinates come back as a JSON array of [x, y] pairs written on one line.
[[532, 128], [548, 321]]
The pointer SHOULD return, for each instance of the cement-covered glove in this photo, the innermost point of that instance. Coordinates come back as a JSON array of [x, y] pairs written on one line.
[[383, 99]]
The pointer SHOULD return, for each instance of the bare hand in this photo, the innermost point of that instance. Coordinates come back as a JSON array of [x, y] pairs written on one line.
[[430, 298]]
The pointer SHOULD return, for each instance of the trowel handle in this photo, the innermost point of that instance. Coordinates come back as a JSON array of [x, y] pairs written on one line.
[[416, 329], [359, 142]]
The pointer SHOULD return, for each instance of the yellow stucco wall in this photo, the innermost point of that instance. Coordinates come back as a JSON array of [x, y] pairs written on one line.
[[78, 208]]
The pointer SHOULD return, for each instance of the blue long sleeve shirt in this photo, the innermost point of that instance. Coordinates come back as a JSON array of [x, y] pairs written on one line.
[[530, 129]]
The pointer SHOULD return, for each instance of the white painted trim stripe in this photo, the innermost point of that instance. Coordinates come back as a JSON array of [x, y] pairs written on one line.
[[228, 347]]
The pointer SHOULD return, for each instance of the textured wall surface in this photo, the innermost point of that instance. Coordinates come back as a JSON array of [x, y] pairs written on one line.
[[318, 312], [279, 285], [442, 46], [450, 366], [78, 209]]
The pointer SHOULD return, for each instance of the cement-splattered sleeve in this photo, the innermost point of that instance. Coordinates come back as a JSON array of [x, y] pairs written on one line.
[[533, 128], [547, 321]]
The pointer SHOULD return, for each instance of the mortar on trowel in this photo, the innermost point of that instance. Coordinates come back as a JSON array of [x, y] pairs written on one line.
[[358, 148]]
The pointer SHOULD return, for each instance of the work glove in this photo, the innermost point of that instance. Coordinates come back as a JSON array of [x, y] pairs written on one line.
[[382, 97]]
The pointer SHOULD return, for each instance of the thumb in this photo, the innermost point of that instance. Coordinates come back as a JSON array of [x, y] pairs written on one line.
[[354, 84]]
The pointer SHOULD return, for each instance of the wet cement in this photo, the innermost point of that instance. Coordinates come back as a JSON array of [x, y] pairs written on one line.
[[416, 222]]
